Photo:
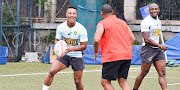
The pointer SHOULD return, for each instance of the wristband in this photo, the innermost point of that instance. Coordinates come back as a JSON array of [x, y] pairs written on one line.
[[161, 46]]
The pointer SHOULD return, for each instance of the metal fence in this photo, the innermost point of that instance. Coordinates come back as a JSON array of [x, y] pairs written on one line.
[[118, 7], [170, 9], [61, 8], [12, 24]]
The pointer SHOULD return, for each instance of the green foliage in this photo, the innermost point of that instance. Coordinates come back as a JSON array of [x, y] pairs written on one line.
[[8, 20], [164, 39], [48, 5], [7, 17], [153, 1], [41, 2], [49, 38], [136, 42], [9, 36], [48, 10]]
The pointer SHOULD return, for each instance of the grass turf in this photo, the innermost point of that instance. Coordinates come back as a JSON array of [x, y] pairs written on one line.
[[30, 76]]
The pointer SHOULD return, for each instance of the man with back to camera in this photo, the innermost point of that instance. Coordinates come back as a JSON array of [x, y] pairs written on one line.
[[115, 39], [151, 51], [75, 36]]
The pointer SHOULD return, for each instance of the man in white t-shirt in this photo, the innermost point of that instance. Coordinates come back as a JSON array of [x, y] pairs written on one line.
[[151, 51], [75, 36]]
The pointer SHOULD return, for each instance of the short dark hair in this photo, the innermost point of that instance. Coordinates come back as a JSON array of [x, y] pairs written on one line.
[[72, 6], [106, 8]]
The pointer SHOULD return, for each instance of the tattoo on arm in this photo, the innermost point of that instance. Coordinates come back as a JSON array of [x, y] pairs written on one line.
[[98, 28]]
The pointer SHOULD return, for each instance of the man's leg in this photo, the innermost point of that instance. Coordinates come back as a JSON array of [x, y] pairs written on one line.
[[56, 66], [107, 84], [144, 70], [161, 69], [123, 84], [78, 80]]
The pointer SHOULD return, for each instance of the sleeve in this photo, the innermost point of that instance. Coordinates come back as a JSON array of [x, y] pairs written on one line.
[[83, 35], [58, 33], [145, 26]]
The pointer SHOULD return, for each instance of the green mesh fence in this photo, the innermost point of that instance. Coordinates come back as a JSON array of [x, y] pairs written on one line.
[[89, 15]]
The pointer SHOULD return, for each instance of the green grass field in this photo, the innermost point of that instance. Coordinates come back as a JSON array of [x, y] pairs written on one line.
[[30, 76]]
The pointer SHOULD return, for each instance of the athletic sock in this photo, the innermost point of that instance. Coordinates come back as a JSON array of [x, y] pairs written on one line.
[[45, 87], [134, 89]]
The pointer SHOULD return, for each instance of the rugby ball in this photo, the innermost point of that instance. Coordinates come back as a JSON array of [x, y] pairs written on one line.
[[60, 48]]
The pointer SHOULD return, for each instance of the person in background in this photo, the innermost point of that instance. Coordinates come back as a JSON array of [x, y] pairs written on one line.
[[151, 51]]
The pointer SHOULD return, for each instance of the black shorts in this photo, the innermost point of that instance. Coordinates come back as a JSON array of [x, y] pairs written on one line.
[[116, 69], [77, 64], [150, 55]]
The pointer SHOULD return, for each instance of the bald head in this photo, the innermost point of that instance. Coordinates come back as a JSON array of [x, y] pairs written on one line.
[[154, 10], [106, 9], [153, 5]]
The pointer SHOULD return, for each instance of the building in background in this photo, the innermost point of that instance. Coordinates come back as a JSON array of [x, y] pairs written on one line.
[[46, 17]]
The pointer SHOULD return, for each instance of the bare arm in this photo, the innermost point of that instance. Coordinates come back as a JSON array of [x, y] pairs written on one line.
[[151, 42], [79, 48], [131, 36], [160, 41], [97, 38], [56, 40]]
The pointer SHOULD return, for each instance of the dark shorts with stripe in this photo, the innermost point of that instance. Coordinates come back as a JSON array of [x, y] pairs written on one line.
[[116, 69], [77, 64], [150, 55]]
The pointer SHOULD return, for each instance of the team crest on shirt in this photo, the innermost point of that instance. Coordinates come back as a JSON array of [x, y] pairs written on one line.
[[75, 32], [157, 32]]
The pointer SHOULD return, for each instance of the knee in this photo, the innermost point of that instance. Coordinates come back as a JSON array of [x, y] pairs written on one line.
[[122, 81], [51, 73], [145, 73], [77, 82], [104, 82], [162, 73]]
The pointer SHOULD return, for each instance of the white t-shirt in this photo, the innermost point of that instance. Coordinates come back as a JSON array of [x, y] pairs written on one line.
[[153, 26], [73, 36]]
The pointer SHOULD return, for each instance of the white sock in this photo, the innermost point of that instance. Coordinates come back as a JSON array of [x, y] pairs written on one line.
[[45, 87]]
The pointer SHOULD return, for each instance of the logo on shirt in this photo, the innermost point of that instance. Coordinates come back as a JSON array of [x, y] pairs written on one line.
[[157, 32], [75, 32], [71, 42], [69, 33]]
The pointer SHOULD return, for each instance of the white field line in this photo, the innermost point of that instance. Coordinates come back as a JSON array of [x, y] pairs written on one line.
[[174, 84], [46, 73], [156, 77], [131, 69], [84, 71]]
